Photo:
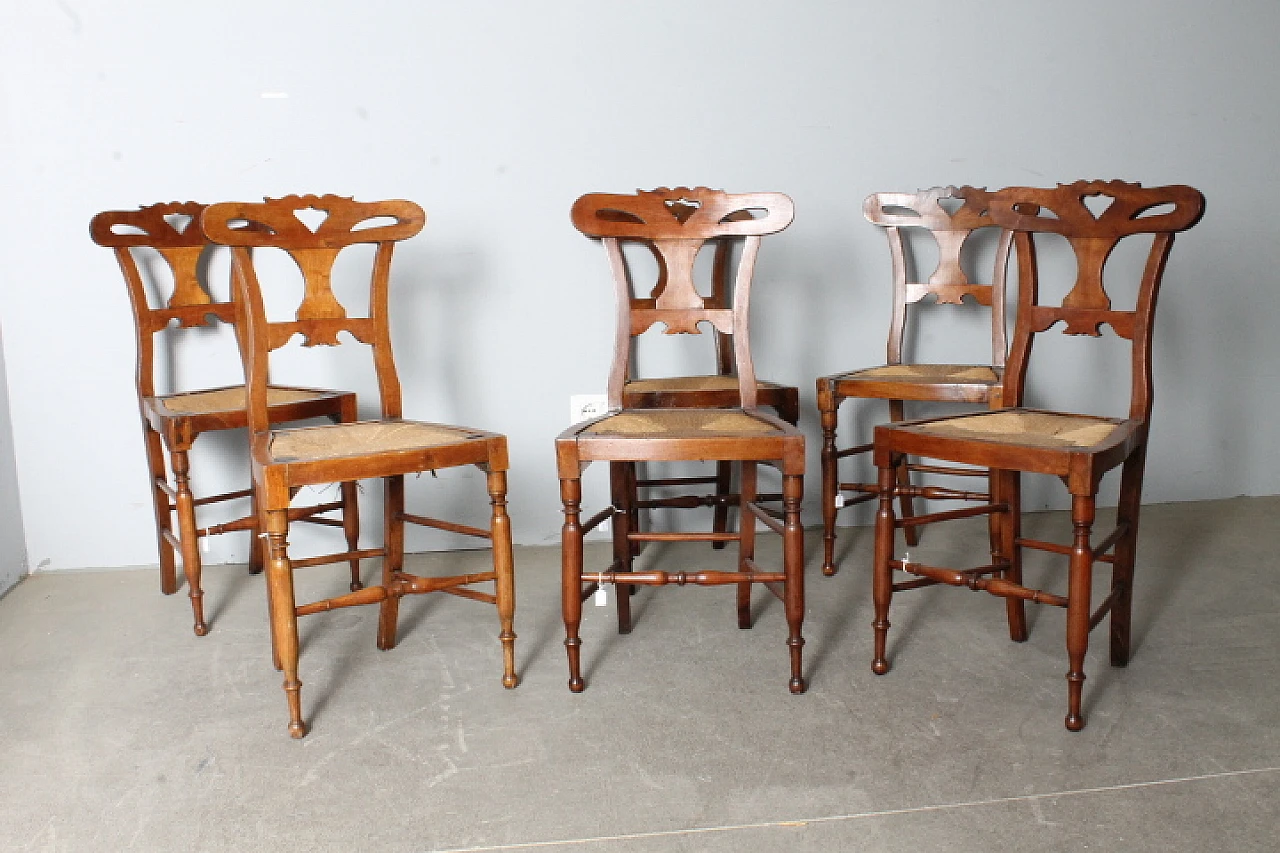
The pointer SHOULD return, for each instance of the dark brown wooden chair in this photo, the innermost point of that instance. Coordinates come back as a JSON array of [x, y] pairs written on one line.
[[1077, 448], [677, 222], [172, 422], [714, 391], [895, 381], [387, 448]]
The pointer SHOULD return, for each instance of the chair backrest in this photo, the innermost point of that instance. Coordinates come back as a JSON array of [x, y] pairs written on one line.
[[676, 223], [320, 317], [1133, 210], [952, 230], [172, 231]]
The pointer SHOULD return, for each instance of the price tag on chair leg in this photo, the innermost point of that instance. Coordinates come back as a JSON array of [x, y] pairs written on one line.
[[602, 595]]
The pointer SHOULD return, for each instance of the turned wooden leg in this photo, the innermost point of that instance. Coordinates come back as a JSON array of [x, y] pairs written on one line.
[[1009, 485], [724, 488], [746, 538], [912, 533], [392, 560], [351, 528], [163, 511], [1125, 554], [622, 486], [1079, 587], [571, 578], [830, 477], [504, 570], [284, 618], [189, 538], [793, 568], [882, 571]]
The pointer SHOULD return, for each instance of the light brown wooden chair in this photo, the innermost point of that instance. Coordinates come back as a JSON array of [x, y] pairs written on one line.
[[172, 422], [1077, 448], [718, 390], [895, 381], [677, 222], [387, 448]]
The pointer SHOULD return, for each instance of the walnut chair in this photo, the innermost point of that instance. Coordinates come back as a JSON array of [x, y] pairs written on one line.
[[172, 422], [715, 391], [387, 448], [1077, 448], [677, 223], [897, 382]]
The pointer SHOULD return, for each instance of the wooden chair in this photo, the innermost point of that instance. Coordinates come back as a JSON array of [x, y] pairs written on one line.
[[895, 381], [1077, 448], [677, 223], [714, 391], [388, 448], [172, 422]]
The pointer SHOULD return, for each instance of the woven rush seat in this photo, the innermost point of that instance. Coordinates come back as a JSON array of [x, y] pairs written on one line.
[[692, 383], [682, 422], [1036, 429], [925, 373], [357, 439], [228, 400]]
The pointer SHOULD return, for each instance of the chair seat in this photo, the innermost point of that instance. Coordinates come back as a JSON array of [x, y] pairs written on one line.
[[225, 400], [924, 374], [691, 383], [342, 441], [1025, 428], [678, 423]]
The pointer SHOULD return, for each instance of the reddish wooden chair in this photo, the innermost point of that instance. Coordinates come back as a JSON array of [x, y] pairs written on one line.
[[388, 448], [677, 223], [1077, 448], [895, 381], [715, 391], [172, 422]]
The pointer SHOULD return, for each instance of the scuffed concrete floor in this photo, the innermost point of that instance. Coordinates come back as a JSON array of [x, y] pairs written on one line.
[[121, 730]]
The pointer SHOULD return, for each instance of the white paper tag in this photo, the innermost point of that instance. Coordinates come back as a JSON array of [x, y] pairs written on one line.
[[839, 501], [602, 596]]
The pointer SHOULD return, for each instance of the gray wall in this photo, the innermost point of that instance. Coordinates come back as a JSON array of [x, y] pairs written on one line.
[[13, 544], [495, 116]]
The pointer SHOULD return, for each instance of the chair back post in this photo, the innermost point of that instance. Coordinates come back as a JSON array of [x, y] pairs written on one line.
[[948, 282], [320, 317], [1132, 209], [675, 223], [181, 245]]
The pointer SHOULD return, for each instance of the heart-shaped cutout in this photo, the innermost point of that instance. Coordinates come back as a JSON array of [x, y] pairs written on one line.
[[1098, 204], [311, 217], [178, 222], [682, 208]]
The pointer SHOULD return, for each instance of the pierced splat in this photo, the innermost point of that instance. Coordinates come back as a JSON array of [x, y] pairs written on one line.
[[313, 230], [1094, 216], [951, 214]]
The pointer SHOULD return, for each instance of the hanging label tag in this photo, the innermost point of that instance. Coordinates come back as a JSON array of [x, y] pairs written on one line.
[[602, 596]]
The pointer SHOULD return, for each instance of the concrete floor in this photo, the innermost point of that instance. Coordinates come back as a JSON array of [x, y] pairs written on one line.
[[121, 730]]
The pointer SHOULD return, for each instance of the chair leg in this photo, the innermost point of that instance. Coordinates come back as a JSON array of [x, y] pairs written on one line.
[[911, 534], [1078, 600], [257, 559], [1009, 487], [793, 567], [504, 575], [392, 559], [1125, 553], [746, 538], [882, 572], [571, 578], [724, 488], [830, 478], [351, 528], [164, 516], [633, 513], [623, 488], [188, 537], [284, 617]]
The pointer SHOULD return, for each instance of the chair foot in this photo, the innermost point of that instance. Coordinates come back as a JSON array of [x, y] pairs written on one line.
[[880, 666], [577, 685], [829, 569], [798, 685], [297, 730], [1075, 722], [356, 586], [510, 681], [718, 546], [201, 629], [255, 570]]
